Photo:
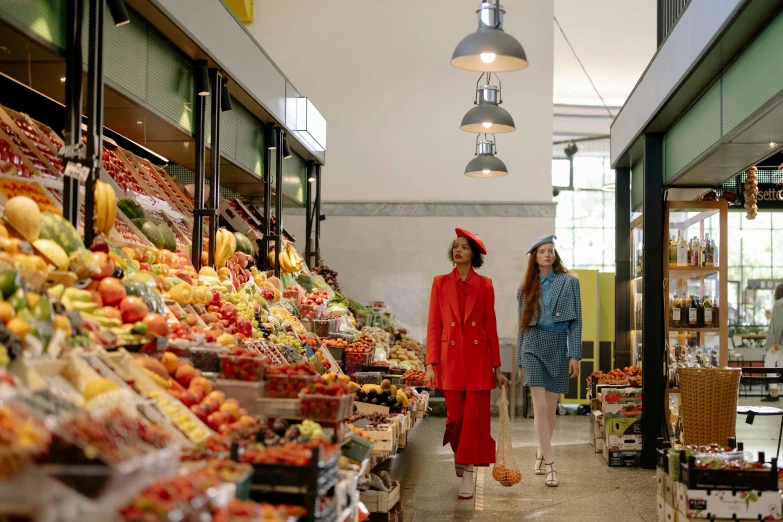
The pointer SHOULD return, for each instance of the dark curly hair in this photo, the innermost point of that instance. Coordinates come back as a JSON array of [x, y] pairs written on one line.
[[476, 260]]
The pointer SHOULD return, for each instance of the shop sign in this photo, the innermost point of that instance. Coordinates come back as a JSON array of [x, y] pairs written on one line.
[[770, 195], [763, 284]]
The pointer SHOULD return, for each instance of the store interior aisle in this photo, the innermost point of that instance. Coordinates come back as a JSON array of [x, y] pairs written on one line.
[[589, 490]]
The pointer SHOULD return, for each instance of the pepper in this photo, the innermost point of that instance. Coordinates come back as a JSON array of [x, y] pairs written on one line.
[[182, 293]]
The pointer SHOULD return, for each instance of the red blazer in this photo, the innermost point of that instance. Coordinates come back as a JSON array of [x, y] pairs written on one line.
[[463, 355]]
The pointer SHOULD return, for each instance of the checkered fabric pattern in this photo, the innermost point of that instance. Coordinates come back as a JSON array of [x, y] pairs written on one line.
[[543, 356]]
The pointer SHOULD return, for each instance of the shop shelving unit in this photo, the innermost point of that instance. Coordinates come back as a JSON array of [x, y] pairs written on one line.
[[637, 230], [690, 218]]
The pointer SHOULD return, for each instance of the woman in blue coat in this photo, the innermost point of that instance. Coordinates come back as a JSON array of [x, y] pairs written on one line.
[[549, 345]]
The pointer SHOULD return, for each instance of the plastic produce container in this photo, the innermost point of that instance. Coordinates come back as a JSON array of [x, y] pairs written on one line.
[[206, 359], [282, 386], [363, 378], [243, 391], [244, 367], [328, 408]]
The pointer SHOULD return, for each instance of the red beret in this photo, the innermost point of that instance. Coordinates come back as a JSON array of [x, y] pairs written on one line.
[[461, 232]]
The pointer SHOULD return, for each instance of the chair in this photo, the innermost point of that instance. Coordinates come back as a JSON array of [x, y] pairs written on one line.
[[769, 376]]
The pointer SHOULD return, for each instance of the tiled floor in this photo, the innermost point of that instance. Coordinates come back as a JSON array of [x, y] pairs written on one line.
[[589, 490]]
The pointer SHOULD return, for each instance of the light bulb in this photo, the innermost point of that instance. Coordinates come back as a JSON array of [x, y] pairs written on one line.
[[488, 57], [311, 179], [772, 144], [487, 124], [485, 171]]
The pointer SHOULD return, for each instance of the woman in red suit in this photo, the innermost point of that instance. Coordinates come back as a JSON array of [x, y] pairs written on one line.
[[463, 356]]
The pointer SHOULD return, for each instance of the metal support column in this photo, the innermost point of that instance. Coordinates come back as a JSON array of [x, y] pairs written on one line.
[[270, 137], [622, 324], [317, 216], [216, 80], [73, 106], [309, 214], [653, 334], [94, 158], [279, 200], [200, 113]]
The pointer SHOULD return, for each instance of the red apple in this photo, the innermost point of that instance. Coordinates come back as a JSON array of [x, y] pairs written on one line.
[[184, 375], [215, 419], [198, 392], [188, 398], [133, 309], [211, 404], [105, 263], [199, 412], [111, 312], [112, 290], [156, 325]]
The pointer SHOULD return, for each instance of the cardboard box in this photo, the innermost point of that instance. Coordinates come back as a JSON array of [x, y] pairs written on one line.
[[600, 446], [660, 504], [665, 486], [380, 501], [620, 426], [670, 514], [624, 442], [630, 410], [623, 458], [702, 503], [622, 395]]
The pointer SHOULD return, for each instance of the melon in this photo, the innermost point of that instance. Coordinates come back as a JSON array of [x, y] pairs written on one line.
[[130, 209], [169, 240], [60, 230], [53, 252], [151, 232], [23, 214], [243, 244]]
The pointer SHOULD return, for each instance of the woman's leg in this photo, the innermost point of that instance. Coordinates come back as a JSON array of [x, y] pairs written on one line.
[[552, 400], [541, 416], [455, 411]]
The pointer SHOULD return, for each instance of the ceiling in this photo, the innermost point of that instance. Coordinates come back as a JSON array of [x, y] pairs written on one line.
[[615, 39]]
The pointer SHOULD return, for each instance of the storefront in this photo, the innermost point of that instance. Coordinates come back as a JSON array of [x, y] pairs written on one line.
[[706, 111]]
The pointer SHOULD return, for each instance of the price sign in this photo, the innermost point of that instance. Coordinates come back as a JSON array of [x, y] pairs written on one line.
[[77, 171], [73, 151]]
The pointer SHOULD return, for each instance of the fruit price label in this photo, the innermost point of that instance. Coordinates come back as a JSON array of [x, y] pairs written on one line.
[[77, 170]]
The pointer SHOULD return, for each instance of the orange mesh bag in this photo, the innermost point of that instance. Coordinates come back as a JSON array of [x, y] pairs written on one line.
[[505, 471]]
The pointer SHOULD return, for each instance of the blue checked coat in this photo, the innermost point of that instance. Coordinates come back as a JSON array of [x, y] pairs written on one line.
[[566, 306]]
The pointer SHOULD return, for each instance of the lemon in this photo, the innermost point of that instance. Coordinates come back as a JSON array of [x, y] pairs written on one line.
[[98, 387]]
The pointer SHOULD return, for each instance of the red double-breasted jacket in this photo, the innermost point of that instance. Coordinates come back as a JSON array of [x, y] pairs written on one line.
[[463, 348]]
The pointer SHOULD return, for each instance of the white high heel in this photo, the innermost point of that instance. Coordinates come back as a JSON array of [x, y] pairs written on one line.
[[538, 469], [466, 488]]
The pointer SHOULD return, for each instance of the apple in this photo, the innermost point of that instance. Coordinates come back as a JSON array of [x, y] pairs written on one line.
[[156, 325], [215, 419], [198, 392], [247, 420], [202, 383], [133, 309], [217, 395], [211, 404], [188, 398], [112, 290], [105, 263], [184, 375], [199, 412], [111, 312], [170, 361]]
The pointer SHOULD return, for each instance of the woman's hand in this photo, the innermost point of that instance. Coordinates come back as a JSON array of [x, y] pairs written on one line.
[[500, 379], [573, 368], [520, 374], [429, 380]]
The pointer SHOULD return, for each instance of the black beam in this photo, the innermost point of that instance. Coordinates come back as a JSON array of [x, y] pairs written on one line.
[[317, 216], [216, 80], [622, 288], [200, 113], [279, 200], [653, 333], [309, 213], [270, 131], [73, 106], [94, 158]]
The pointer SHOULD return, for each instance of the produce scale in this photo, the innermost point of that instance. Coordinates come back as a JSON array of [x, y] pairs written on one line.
[[139, 384]]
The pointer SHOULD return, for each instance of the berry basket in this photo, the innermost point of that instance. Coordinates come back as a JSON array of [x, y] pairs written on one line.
[[363, 378], [243, 367], [358, 359], [413, 382], [763, 479], [282, 386], [275, 477], [326, 408], [206, 359]]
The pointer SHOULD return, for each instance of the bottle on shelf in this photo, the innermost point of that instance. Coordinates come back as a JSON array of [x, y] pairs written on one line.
[[702, 253], [709, 253], [682, 250], [715, 313], [639, 261], [708, 312], [676, 312], [673, 251], [693, 313], [715, 256], [694, 251]]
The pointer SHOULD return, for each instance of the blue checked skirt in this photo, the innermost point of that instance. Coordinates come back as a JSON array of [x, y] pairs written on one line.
[[545, 360]]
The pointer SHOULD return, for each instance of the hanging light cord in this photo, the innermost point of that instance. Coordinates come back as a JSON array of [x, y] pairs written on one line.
[[583, 68]]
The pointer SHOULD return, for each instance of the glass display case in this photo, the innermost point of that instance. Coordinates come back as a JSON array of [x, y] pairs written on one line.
[[636, 290]]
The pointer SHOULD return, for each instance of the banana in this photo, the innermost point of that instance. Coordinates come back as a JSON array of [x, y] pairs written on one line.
[[112, 211], [271, 258], [105, 207], [99, 216], [285, 262]]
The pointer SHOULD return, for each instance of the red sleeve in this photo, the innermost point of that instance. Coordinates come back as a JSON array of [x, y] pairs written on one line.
[[434, 326], [491, 325]]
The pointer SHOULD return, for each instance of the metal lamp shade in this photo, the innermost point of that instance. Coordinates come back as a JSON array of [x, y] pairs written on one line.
[[509, 54], [474, 119], [486, 162]]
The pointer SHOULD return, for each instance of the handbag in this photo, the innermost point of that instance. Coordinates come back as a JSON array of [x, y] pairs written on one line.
[[505, 471]]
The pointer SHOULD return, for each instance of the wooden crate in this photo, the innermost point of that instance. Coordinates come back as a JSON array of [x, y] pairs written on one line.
[[380, 501], [384, 440]]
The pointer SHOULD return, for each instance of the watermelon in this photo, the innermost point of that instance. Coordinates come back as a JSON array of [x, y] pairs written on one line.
[[59, 230], [169, 240], [243, 244], [151, 231], [130, 209]]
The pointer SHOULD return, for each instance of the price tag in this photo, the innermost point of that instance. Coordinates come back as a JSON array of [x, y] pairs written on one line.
[[25, 247], [77, 170], [73, 151], [361, 423]]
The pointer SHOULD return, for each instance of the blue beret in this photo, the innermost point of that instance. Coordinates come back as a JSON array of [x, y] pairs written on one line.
[[549, 238]]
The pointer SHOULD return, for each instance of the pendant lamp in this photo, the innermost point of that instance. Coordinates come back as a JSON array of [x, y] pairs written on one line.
[[485, 164], [490, 49], [487, 116]]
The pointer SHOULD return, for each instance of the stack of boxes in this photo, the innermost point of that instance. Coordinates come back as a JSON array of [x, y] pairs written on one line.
[[689, 493], [616, 424]]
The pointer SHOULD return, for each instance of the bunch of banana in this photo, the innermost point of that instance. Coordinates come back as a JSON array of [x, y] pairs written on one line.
[[296, 261], [105, 207], [290, 261], [225, 245]]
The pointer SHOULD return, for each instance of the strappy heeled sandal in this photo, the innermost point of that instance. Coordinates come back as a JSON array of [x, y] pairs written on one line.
[[459, 469], [551, 476], [466, 495], [538, 469]]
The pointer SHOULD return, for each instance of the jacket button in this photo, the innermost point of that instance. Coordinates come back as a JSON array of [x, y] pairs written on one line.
[[453, 324], [558, 314], [473, 323], [475, 342], [452, 343]]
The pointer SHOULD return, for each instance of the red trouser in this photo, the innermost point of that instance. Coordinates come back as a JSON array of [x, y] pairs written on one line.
[[467, 427]]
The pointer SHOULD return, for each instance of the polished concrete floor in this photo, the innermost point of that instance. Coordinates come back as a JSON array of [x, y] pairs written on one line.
[[589, 490]]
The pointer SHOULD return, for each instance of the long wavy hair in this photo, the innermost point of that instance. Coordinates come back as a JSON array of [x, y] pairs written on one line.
[[531, 286]]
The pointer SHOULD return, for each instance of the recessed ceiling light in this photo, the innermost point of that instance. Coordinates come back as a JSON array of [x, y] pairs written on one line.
[[62, 79], [772, 144], [138, 122]]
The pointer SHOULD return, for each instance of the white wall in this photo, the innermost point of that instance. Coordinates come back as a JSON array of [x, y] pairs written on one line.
[[379, 72]]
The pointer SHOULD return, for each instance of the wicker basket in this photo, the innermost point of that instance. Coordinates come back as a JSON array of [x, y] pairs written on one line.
[[708, 404]]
